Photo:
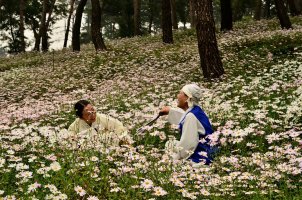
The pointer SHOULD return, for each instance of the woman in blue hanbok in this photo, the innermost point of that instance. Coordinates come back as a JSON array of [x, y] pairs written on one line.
[[194, 125]]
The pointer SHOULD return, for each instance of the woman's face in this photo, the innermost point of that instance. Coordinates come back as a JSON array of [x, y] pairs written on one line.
[[182, 100], [89, 114]]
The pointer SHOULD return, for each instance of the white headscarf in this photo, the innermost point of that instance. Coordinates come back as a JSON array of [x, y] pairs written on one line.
[[193, 92]]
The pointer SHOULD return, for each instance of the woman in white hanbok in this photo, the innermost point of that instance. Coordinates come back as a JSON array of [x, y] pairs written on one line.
[[96, 127]]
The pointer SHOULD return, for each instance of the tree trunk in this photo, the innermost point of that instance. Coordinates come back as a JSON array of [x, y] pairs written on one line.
[[210, 60], [298, 4], [258, 8], [238, 9], [22, 8], [37, 42], [174, 16], [192, 14], [226, 15], [151, 13], [13, 48], [77, 26], [167, 22], [137, 17], [88, 21], [35, 29], [293, 8], [267, 9], [282, 15], [68, 23], [45, 44], [42, 27], [1, 4], [96, 32]]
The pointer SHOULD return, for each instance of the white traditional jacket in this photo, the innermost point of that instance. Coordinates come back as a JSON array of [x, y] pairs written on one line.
[[105, 129], [102, 123]]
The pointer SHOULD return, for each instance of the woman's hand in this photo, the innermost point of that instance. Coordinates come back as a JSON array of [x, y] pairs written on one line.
[[165, 110]]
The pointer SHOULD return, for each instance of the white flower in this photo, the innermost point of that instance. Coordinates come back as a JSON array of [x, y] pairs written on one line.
[[61, 197], [2, 162], [33, 187], [10, 197], [51, 157], [53, 189], [24, 174], [92, 198], [147, 184], [55, 166], [43, 170], [80, 191], [177, 182], [204, 192], [94, 159], [162, 135], [11, 152], [158, 191], [116, 189], [21, 166]]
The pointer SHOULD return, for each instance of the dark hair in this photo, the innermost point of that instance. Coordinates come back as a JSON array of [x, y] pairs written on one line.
[[79, 107]]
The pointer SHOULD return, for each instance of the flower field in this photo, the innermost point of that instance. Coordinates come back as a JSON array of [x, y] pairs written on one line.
[[255, 109]]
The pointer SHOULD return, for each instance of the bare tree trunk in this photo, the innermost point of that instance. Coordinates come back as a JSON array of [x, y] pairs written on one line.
[[137, 17], [226, 15], [267, 9], [88, 20], [258, 8], [45, 44], [42, 26], [298, 4], [42, 29], [35, 28], [151, 13], [293, 8], [68, 22], [22, 8], [167, 22], [174, 16], [238, 9], [96, 32], [282, 15], [13, 49], [150, 23], [37, 42], [192, 14], [77, 26], [210, 60], [1, 4]]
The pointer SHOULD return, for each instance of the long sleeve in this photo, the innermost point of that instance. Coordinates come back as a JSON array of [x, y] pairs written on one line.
[[74, 128], [105, 130], [111, 124], [175, 115], [189, 139]]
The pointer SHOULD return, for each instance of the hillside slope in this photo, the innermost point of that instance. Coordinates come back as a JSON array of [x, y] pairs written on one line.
[[255, 109]]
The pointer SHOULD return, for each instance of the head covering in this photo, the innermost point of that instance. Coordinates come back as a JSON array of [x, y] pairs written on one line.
[[194, 92]]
